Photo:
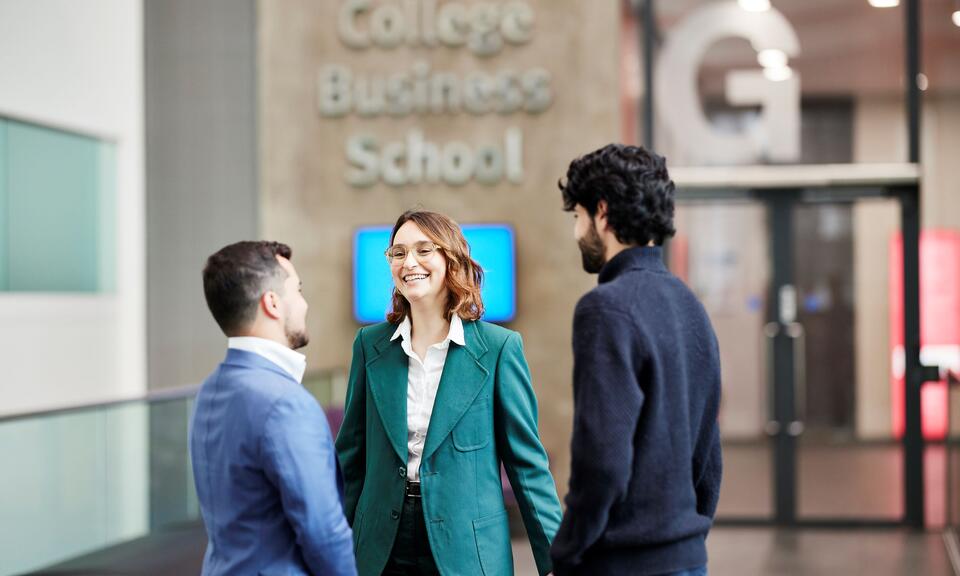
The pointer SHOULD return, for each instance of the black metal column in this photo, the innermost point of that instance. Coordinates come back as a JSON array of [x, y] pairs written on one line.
[[910, 227], [914, 373], [913, 54], [780, 216]]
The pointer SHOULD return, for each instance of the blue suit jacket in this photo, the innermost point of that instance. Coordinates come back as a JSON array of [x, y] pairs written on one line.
[[266, 474]]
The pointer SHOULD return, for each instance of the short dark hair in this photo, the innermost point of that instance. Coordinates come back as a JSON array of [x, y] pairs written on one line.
[[635, 185], [236, 276]]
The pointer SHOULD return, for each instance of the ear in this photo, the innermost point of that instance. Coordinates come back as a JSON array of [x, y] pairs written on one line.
[[600, 218], [270, 304]]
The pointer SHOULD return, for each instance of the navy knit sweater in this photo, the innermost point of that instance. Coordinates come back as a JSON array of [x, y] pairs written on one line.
[[646, 461]]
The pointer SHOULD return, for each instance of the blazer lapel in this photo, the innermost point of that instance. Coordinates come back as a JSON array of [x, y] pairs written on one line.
[[387, 373], [462, 379]]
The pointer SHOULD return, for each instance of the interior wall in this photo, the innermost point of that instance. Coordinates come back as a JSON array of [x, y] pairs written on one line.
[[201, 172], [76, 67], [80, 71]]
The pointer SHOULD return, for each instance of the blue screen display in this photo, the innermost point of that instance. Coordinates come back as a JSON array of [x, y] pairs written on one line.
[[492, 245]]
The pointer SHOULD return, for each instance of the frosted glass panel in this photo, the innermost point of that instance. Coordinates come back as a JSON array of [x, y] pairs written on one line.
[[4, 210], [54, 489], [77, 482], [127, 471], [58, 202], [106, 222]]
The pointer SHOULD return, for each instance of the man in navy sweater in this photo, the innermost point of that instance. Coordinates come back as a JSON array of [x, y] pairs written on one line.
[[646, 460]]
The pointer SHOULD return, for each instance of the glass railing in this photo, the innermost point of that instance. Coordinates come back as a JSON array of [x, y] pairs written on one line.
[[329, 387], [80, 479]]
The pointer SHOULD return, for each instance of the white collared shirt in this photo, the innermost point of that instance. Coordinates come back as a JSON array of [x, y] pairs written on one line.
[[292, 362], [423, 380]]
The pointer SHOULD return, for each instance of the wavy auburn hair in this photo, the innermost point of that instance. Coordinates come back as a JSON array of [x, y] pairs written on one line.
[[464, 275]]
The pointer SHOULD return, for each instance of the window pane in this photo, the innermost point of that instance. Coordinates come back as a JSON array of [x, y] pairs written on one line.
[[4, 210], [60, 209]]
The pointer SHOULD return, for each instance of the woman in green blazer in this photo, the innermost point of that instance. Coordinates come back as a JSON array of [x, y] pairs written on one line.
[[437, 399]]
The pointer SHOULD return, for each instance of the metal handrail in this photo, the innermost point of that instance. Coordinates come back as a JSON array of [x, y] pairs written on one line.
[[164, 395]]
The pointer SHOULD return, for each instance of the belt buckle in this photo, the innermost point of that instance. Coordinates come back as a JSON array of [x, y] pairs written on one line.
[[412, 489]]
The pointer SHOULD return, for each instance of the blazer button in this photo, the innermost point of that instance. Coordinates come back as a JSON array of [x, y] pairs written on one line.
[[403, 472], [394, 514]]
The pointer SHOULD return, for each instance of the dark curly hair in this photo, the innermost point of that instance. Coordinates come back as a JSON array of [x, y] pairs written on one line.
[[635, 185]]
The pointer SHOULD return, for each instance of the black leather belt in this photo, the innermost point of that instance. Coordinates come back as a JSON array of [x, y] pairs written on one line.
[[412, 490]]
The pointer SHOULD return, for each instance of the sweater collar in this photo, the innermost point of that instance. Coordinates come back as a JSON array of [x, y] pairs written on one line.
[[637, 258]]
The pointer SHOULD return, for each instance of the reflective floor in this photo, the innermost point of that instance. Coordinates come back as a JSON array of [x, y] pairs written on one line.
[[733, 552], [836, 480], [776, 552]]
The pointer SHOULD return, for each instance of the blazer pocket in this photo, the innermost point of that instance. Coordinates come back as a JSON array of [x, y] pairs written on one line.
[[493, 544], [473, 431]]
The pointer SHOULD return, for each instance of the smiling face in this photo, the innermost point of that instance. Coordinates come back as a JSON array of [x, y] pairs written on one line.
[[420, 280]]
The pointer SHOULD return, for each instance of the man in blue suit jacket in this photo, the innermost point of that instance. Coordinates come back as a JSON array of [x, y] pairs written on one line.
[[263, 457]]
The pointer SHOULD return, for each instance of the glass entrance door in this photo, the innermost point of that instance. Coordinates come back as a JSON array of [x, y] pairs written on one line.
[[798, 290], [722, 252], [849, 457]]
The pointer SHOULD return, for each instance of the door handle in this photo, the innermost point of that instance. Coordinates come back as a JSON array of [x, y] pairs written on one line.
[[772, 427], [798, 335]]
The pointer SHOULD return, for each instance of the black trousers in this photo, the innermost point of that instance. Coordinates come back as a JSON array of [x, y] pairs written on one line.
[[411, 555]]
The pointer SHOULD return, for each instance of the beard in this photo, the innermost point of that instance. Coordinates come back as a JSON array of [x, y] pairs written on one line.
[[592, 250], [296, 339]]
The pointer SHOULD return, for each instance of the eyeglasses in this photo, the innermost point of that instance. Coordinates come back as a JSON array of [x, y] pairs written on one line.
[[421, 250]]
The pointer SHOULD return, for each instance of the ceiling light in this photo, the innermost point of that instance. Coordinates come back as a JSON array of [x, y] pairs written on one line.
[[772, 58], [884, 3], [778, 74], [755, 5], [956, 17]]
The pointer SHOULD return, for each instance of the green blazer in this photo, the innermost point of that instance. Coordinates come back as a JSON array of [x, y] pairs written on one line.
[[485, 413]]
